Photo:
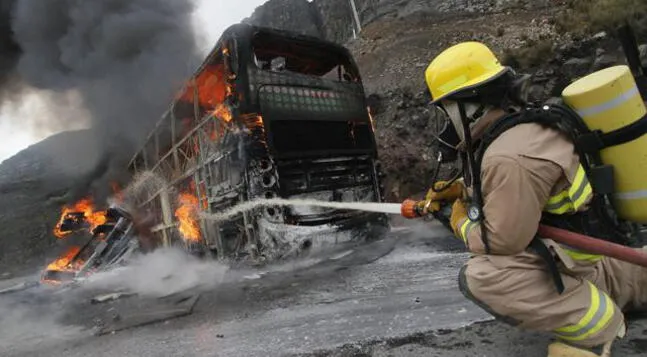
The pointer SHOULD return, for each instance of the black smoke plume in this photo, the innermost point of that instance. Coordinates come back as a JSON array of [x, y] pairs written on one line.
[[125, 59]]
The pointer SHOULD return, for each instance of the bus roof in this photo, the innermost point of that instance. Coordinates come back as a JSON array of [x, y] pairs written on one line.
[[245, 33]]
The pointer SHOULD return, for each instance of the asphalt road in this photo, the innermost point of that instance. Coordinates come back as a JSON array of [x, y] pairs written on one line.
[[396, 297]]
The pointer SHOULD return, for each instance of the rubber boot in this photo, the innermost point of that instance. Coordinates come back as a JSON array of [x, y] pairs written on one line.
[[559, 349]]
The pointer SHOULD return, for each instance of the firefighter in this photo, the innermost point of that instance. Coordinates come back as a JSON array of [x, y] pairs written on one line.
[[528, 173]]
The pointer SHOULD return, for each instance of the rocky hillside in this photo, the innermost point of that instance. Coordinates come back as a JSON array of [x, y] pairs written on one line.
[[334, 19], [404, 140]]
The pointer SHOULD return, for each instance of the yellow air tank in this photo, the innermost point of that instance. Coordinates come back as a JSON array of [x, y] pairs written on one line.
[[608, 100]]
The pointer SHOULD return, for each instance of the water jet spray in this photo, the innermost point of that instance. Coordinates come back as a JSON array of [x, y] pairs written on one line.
[[389, 208]]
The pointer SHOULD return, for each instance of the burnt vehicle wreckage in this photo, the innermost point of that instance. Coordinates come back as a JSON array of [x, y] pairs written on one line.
[[110, 244], [268, 114]]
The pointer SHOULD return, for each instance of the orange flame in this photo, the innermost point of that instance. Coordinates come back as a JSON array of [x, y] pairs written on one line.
[[223, 112], [259, 122], [370, 117], [186, 214], [63, 262], [85, 206], [254, 122], [223, 116]]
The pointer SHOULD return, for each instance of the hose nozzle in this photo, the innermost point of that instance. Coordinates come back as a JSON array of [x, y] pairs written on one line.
[[409, 209], [415, 209]]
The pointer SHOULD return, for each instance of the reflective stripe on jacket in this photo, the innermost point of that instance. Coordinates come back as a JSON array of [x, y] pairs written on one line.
[[571, 200]]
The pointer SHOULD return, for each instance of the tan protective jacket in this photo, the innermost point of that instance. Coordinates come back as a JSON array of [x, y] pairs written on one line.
[[524, 169]]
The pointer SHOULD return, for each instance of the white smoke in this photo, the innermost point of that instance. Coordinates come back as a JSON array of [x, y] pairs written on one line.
[[111, 65], [164, 272]]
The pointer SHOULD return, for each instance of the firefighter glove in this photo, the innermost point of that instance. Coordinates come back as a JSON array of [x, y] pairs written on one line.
[[433, 199], [459, 214], [426, 206], [451, 192]]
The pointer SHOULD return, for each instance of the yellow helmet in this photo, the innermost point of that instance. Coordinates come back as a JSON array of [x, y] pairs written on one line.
[[462, 67]]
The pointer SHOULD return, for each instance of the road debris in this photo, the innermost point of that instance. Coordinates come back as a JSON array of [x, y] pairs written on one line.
[[19, 287], [182, 306], [110, 297]]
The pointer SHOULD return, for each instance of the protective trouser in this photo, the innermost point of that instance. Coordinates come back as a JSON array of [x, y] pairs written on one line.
[[518, 290]]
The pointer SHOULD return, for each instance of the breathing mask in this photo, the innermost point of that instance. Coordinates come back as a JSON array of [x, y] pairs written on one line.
[[473, 112], [452, 133], [448, 141]]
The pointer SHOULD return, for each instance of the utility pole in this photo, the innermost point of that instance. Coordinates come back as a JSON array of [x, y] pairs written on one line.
[[358, 24]]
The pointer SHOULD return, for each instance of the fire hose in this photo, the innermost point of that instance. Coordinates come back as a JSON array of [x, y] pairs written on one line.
[[594, 245], [575, 240]]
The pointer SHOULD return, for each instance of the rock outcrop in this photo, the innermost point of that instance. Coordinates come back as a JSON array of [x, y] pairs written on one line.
[[643, 54], [334, 19], [299, 16]]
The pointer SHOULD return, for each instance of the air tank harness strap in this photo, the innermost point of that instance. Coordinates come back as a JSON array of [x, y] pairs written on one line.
[[595, 141], [542, 250]]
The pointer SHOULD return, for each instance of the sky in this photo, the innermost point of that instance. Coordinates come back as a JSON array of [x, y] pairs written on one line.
[[212, 17]]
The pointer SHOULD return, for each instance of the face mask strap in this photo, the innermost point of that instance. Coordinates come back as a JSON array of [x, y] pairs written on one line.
[[480, 111], [467, 138], [475, 209]]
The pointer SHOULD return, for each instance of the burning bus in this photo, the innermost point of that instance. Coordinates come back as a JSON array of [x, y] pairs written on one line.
[[268, 114]]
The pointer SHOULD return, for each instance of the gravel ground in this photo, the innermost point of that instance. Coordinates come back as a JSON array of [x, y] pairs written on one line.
[[396, 297]]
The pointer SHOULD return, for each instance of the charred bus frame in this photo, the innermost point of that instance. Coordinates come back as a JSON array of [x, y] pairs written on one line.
[[268, 114]]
